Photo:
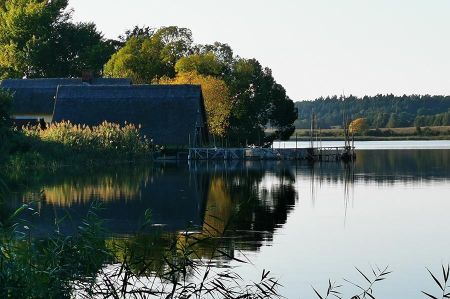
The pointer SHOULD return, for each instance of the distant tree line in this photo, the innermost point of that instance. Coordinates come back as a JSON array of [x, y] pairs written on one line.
[[380, 111], [38, 39]]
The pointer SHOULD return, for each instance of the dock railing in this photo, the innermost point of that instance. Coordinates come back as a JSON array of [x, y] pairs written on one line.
[[335, 153]]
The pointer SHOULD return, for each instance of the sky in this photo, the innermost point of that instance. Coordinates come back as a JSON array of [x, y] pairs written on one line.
[[314, 47]]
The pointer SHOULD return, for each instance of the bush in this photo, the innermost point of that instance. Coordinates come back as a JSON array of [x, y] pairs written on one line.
[[108, 139]]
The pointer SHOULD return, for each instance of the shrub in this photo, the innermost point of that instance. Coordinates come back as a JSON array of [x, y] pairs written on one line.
[[112, 140]]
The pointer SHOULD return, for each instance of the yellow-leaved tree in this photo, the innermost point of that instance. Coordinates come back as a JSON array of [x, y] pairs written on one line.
[[216, 96], [358, 126]]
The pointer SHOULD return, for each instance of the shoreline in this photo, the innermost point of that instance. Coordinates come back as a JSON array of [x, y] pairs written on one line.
[[373, 138]]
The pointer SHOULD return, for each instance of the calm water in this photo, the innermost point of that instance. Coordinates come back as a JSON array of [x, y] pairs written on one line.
[[372, 145], [304, 223]]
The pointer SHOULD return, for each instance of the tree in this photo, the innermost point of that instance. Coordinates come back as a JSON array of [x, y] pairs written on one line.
[[79, 47], [137, 32], [377, 110], [393, 120], [204, 64], [38, 40], [216, 97], [258, 100], [358, 126], [146, 59], [282, 113], [25, 28], [6, 99], [215, 60]]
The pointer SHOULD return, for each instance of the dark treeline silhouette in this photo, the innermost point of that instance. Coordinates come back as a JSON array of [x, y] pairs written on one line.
[[380, 111]]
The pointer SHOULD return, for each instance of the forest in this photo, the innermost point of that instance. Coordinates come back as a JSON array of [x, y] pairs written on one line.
[[380, 111], [38, 39]]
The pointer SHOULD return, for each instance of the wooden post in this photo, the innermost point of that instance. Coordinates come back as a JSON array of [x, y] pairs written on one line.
[[190, 153]]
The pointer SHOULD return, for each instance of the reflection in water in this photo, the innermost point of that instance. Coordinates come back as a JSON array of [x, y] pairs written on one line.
[[244, 206], [105, 188], [245, 202], [219, 208]]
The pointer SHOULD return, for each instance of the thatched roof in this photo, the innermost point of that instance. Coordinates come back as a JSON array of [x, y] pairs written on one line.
[[111, 81], [168, 114], [36, 96]]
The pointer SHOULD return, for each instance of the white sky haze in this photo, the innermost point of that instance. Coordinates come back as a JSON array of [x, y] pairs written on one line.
[[314, 47]]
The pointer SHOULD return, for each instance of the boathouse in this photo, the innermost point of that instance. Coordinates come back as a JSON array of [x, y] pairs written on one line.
[[169, 114], [34, 99]]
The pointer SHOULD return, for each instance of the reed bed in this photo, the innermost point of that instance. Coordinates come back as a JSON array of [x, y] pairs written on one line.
[[67, 144], [115, 139]]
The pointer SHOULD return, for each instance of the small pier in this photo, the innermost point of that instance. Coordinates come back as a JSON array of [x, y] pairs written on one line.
[[314, 152], [344, 153]]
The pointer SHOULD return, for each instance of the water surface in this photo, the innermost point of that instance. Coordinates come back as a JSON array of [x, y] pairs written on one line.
[[306, 223], [372, 145]]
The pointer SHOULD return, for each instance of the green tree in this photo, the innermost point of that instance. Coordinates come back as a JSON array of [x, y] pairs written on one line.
[[137, 32], [146, 59], [216, 59], [258, 100], [6, 99], [379, 120], [376, 109], [79, 47], [38, 40], [393, 121], [204, 64]]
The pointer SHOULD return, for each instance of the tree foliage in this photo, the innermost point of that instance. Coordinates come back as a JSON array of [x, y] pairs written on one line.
[[257, 100], [148, 57], [205, 64], [358, 126], [380, 111], [6, 99], [37, 39], [216, 96]]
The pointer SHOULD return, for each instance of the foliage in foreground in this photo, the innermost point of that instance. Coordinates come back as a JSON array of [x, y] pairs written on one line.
[[87, 265], [147, 264]]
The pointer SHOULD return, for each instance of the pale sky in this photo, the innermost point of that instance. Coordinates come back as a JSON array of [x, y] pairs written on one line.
[[314, 47]]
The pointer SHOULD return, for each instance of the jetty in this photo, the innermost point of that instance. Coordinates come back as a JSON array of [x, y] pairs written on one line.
[[343, 153], [314, 152]]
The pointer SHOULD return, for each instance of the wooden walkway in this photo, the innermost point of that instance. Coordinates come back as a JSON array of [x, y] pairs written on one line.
[[311, 154]]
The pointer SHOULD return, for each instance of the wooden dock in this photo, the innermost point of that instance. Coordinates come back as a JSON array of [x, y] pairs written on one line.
[[344, 153]]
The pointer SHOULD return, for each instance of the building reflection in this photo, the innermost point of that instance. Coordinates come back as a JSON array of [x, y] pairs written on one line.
[[229, 205]]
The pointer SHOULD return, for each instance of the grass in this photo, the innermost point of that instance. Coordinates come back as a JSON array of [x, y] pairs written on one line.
[[67, 144], [86, 265]]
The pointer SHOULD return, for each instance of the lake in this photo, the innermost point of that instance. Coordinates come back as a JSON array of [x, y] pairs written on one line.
[[305, 223]]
